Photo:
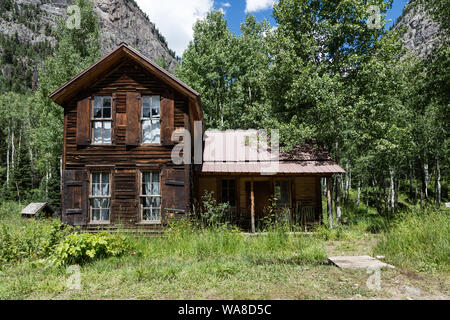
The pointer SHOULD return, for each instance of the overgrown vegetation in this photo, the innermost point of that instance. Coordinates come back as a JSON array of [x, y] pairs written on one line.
[[51, 243], [419, 240], [194, 261]]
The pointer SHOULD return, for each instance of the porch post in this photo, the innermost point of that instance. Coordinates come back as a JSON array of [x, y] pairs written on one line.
[[252, 200], [330, 212]]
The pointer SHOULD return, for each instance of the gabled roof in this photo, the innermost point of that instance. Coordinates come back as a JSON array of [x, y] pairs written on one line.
[[91, 74]]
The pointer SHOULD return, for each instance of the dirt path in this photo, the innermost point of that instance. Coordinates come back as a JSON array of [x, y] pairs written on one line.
[[393, 284]]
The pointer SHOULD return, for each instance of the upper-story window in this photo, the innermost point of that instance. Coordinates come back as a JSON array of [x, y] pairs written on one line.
[[151, 117], [101, 120]]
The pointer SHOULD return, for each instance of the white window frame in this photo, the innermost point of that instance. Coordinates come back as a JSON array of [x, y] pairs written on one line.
[[92, 197], [151, 119], [102, 120], [142, 196]]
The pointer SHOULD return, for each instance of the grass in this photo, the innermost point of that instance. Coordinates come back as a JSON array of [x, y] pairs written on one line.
[[419, 241], [221, 263]]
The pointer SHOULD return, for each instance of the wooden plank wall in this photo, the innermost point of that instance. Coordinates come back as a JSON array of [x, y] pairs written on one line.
[[306, 190]]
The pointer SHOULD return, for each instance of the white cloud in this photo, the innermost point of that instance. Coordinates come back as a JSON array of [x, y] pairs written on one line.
[[175, 19], [225, 4], [258, 5]]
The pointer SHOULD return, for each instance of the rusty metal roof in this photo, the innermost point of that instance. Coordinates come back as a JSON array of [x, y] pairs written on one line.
[[282, 167], [232, 152]]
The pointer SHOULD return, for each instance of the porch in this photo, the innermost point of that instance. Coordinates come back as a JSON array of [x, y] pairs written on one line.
[[256, 200]]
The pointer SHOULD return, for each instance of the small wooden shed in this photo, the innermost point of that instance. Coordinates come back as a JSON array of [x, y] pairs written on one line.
[[37, 209]]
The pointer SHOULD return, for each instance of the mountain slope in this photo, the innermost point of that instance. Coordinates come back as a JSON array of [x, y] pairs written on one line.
[[421, 32], [26, 36]]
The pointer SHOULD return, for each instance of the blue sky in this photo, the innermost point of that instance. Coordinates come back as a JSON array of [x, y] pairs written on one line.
[[235, 14], [175, 18]]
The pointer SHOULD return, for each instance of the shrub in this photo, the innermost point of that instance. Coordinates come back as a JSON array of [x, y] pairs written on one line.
[[79, 248], [30, 240], [419, 240], [213, 213]]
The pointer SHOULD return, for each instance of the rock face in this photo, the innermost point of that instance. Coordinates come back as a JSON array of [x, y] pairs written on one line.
[[421, 32], [120, 21]]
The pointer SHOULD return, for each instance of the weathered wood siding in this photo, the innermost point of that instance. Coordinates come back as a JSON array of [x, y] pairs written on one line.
[[122, 158]]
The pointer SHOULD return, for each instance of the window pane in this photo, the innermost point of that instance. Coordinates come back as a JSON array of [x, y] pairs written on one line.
[[285, 194], [155, 184], [106, 113], [105, 177], [146, 133], [146, 214], [105, 203], [146, 102], [96, 203], [97, 132], [156, 202], [104, 214], [96, 214], [156, 214], [282, 193], [107, 132], [95, 177], [105, 189], [156, 106], [97, 107], [146, 202], [156, 129], [145, 183], [107, 102], [146, 113]]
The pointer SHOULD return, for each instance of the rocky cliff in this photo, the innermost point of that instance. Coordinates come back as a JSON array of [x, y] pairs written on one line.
[[421, 32], [30, 22]]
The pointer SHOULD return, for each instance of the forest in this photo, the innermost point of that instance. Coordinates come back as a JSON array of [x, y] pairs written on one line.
[[327, 74]]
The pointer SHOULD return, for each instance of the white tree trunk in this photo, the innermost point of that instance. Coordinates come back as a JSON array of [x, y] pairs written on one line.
[[30, 150], [367, 198], [427, 178], [358, 197], [338, 199], [392, 189], [438, 183], [347, 180], [46, 181], [7, 157], [13, 149]]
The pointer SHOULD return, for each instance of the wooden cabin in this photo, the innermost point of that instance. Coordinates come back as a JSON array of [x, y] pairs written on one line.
[[119, 117]]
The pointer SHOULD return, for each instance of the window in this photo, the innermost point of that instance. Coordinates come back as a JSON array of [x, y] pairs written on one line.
[[151, 126], [228, 192], [101, 120], [100, 196], [282, 193], [150, 196]]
